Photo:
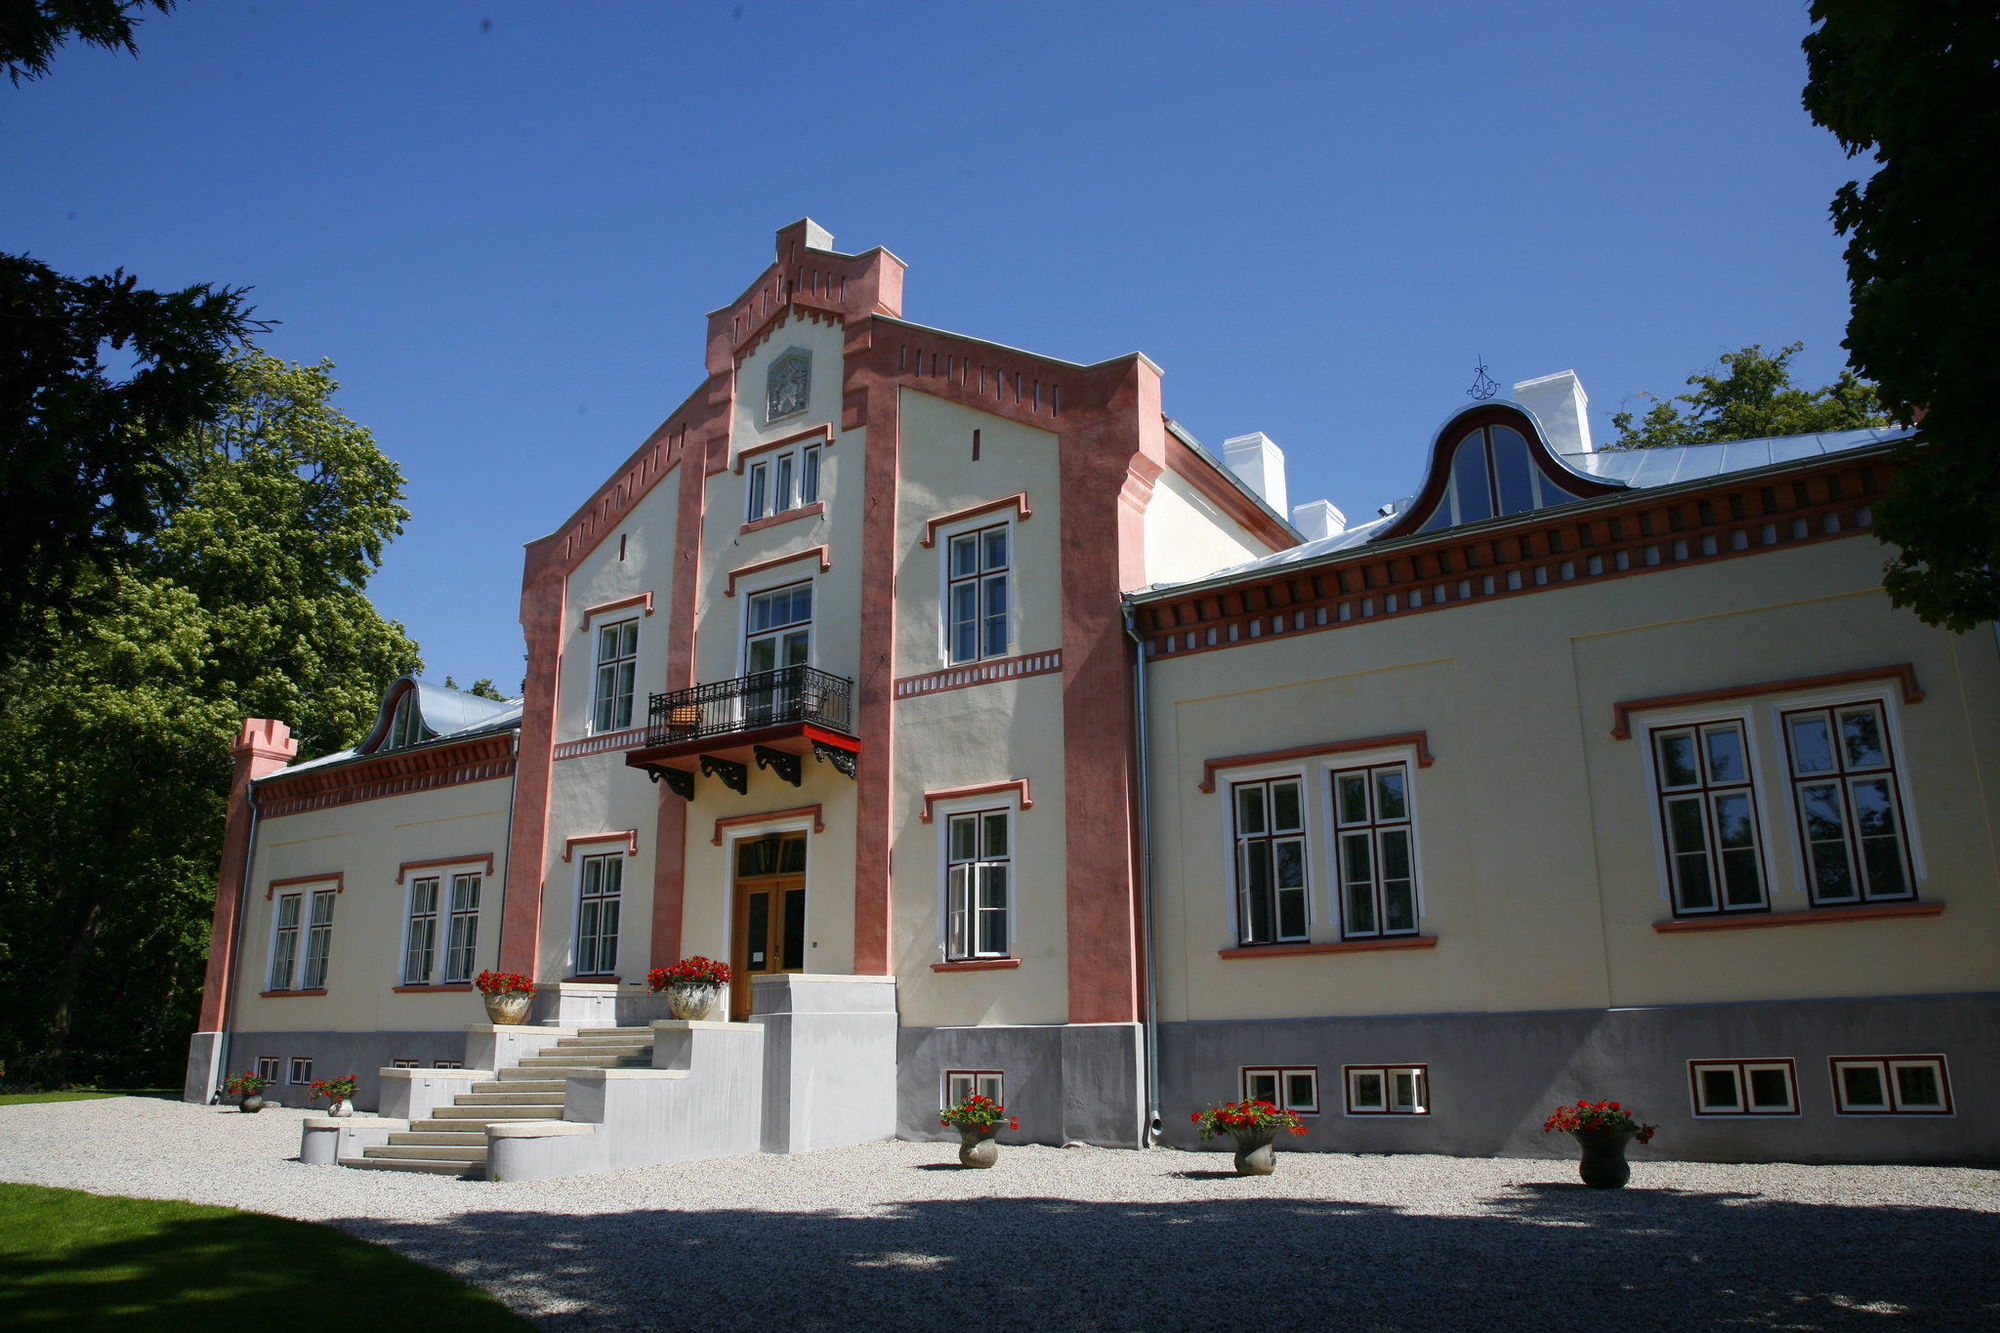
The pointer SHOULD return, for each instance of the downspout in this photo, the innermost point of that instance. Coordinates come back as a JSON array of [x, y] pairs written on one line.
[[1149, 1021], [236, 949], [507, 838]]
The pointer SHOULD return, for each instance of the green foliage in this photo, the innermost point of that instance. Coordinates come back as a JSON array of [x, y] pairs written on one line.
[[247, 600], [1750, 396], [478, 689], [31, 30], [1916, 83]]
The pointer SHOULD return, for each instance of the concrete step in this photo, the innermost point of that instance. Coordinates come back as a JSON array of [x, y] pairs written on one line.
[[469, 1170], [643, 1032], [594, 1048], [486, 1115], [444, 1137], [427, 1152], [607, 1037], [533, 1097], [582, 1060], [520, 1084]]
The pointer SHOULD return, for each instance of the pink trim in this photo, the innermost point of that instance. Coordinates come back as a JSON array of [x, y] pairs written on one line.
[[822, 432], [871, 397], [338, 879], [453, 989], [287, 994], [1018, 786], [768, 817], [391, 773], [1345, 946], [1816, 916], [976, 965], [610, 740], [630, 837], [262, 747], [437, 862], [813, 510], [1018, 502], [825, 563], [979, 673], [1419, 740], [644, 599], [1901, 672]]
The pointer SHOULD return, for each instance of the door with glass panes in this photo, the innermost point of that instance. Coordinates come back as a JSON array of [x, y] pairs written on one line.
[[778, 635], [770, 917]]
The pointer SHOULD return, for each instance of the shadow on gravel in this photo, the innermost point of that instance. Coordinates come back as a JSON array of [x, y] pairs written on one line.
[[1553, 1256]]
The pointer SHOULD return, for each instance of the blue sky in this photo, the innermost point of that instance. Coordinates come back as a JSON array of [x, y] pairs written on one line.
[[505, 222]]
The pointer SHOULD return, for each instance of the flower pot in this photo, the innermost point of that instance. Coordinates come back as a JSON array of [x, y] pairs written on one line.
[[692, 1000], [1603, 1166], [977, 1146], [340, 1107], [508, 1010], [253, 1103], [1255, 1155]]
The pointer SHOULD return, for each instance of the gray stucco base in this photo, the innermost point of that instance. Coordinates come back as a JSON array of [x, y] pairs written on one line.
[[332, 1053], [1068, 1083], [1495, 1077]]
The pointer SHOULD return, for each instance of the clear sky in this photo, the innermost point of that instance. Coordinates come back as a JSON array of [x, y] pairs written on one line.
[[505, 222]]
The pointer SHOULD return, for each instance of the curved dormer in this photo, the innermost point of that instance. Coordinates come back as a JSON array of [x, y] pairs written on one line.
[[1490, 461], [415, 711]]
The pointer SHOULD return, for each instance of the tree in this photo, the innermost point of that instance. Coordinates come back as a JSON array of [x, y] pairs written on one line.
[[31, 30], [1917, 84], [479, 689], [1750, 396], [246, 600]]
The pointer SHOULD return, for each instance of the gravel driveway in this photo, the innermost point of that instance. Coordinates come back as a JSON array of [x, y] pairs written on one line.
[[896, 1235]]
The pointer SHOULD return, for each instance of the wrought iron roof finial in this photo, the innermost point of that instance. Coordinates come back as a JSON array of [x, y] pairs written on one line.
[[1484, 386]]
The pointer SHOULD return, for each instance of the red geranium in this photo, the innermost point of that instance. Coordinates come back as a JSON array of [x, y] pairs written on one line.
[[1605, 1116], [504, 983], [695, 971], [1246, 1118]]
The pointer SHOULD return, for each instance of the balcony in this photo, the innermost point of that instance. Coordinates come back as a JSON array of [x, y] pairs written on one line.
[[770, 718]]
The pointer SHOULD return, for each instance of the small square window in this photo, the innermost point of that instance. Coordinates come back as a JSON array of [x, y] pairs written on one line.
[[962, 1083], [447, 1064], [267, 1067], [1388, 1089], [1744, 1087], [301, 1071], [1891, 1085], [1293, 1089], [406, 1064]]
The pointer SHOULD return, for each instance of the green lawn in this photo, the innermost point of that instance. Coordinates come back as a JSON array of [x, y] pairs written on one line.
[[81, 1095], [75, 1261]]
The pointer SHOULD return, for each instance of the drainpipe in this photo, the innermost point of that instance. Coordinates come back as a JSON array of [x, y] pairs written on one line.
[[1149, 1022], [236, 950]]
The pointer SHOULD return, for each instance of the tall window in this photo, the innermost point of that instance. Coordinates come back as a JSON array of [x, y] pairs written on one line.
[[778, 635], [406, 724], [460, 935], [1492, 475], [978, 606], [1708, 818], [784, 481], [1270, 861], [1378, 888], [319, 940], [617, 665], [1844, 789], [462, 940], [420, 937], [598, 884], [285, 941], [978, 865]]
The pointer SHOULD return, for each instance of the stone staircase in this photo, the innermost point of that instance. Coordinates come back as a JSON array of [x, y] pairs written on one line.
[[453, 1141]]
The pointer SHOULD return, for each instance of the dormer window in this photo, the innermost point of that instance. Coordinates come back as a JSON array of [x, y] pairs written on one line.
[[406, 724], [1488, 463]]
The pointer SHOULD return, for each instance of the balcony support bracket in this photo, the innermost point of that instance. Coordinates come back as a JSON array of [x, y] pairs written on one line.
[[786, 766], [734, 776], [843, 760], [679, 781]]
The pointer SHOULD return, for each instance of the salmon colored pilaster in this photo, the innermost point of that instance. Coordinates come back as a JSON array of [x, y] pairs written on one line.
[[262, 747], [871, 399], [542, 611]]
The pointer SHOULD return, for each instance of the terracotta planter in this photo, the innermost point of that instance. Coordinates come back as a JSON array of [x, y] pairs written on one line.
[[977, 1145], [253, 1103], [1256, 1154], [507, 1010], [1603, 1166], [692, 1000]]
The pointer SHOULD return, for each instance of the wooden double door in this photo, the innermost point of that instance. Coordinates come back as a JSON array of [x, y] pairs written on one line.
[[769, 934]]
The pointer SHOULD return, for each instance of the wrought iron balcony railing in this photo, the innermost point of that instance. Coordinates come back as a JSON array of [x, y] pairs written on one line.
[[751, 703]]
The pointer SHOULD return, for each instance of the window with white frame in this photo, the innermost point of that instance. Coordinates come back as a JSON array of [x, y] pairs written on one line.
[[319, 940], [1270, 860], [599, 879], [978, 597], [1387, 1089], [962, 1083], [1743, 1087], [447, 1064], [1375, 856], [1707, 809], [406, 1064], [267, 1068], [301, 1070], [617, 669], [777, 629], [783, 481], [458, 913], [462, 931], [420, 933], [285, 940], [1287, 1089], [978, 873], [1891, 1085], [1843, 778]]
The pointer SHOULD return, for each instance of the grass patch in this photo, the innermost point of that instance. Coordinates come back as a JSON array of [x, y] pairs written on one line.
[[71, 1260], [81, 1095]]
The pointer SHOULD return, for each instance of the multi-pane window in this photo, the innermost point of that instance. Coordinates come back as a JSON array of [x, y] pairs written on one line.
[[285, 941], [319, 940], [598, 884], [1708, 818], [978, 865], [406, 724], [301, 1070], [1387, 1090], [1371, 815], [420, 935], [617, 667], [778, 635], [1270, 861], [1286, 1089], [962, 1083], [267, 1068], [785, 481], [1849, 812], [1891, 1085], [1492, 474], [978, 602], [447, 1064], [462, 935], [406, 1064], [1743, 1087]]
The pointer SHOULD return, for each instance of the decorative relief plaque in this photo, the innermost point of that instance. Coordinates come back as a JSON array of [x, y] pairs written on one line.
[[788, 386]]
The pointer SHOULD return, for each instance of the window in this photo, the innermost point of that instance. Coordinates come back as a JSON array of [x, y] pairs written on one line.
[[1849, 812], [778, 635], [420, 936], [1708, 818], [462, 939], [598, 884], [978, 863], [1493, 475], [1387, 1090], [617, 665], [1744, 1087], [319, 940], [1891, 1085], [301, 1071], [447, 1064], [978, 607], [406, 1064], [267, 1067], [783, 481], [1286, 1089], [962, 1083], [1270, 861], [285, 941], [1371, 816], [461, 934], [406, 724]]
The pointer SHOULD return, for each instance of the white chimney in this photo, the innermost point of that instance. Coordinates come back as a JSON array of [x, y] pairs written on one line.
[[1563, 408], [1317, 519], [1260, 464]]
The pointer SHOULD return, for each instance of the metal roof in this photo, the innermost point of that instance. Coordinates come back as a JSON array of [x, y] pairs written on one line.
[[452, 714]]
